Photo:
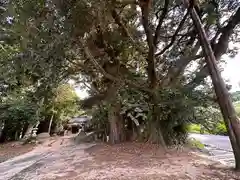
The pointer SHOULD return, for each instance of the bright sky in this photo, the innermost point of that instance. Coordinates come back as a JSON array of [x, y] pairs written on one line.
[[231, 73], [81, 93]]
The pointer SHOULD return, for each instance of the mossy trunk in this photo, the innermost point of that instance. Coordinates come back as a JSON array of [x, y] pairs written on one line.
[[156, 133], [117, 134]]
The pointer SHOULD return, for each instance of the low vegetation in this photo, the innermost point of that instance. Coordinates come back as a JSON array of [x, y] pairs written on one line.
[[217, 127]]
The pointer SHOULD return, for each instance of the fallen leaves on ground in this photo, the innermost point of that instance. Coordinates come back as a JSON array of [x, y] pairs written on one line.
[[12, 149], [137, 161], [65, 160]]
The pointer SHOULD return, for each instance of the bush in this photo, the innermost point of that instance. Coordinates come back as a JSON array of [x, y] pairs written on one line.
[[197, 128], [194, 128], [220, 129], [17, 117], [196, 144], [237, 107]]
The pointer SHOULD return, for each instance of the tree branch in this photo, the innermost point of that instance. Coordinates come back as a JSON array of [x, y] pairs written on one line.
[[177, 69], [109, 76], [145, 7], [163, 15], [98, 98], [118, 21], [96, 64], [125, 31], [219, 49], [152, 76], [125, 2], [75, 63], [175, 34]]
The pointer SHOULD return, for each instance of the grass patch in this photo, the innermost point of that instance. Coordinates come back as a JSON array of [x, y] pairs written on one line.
[[194, 128], [218, 129], [237, 107], [196, 144]]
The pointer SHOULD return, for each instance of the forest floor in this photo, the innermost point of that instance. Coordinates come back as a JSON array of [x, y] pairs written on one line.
[[62, 159]]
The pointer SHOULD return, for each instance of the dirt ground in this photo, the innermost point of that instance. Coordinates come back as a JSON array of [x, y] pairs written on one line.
[[12, 149], [65, 160], [134, 161]]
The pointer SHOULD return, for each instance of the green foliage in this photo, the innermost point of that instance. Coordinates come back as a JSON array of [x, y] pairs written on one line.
[[176, 109], [60, 105], [213, 123], [17, 116], [194, 128], [64, 103], [237, 107], [220, 129], [19, 113], [23, 109], [46, 46], [236, 96], [100, 118]]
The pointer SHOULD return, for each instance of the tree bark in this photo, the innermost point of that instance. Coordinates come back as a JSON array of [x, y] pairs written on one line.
[[156, 135], [16, 137], [3, 135], [229, 114], [115, 122], [28, 133], [1, 131], [151, 67], [25, 128], [50, 124]]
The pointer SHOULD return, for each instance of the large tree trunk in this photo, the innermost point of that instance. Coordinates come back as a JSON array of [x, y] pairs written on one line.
[[116, 124], [151, 67], [229, 114], [156, 135]]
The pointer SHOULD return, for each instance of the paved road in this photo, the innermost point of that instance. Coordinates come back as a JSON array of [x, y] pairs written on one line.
[[219, 147], [220, 142]]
